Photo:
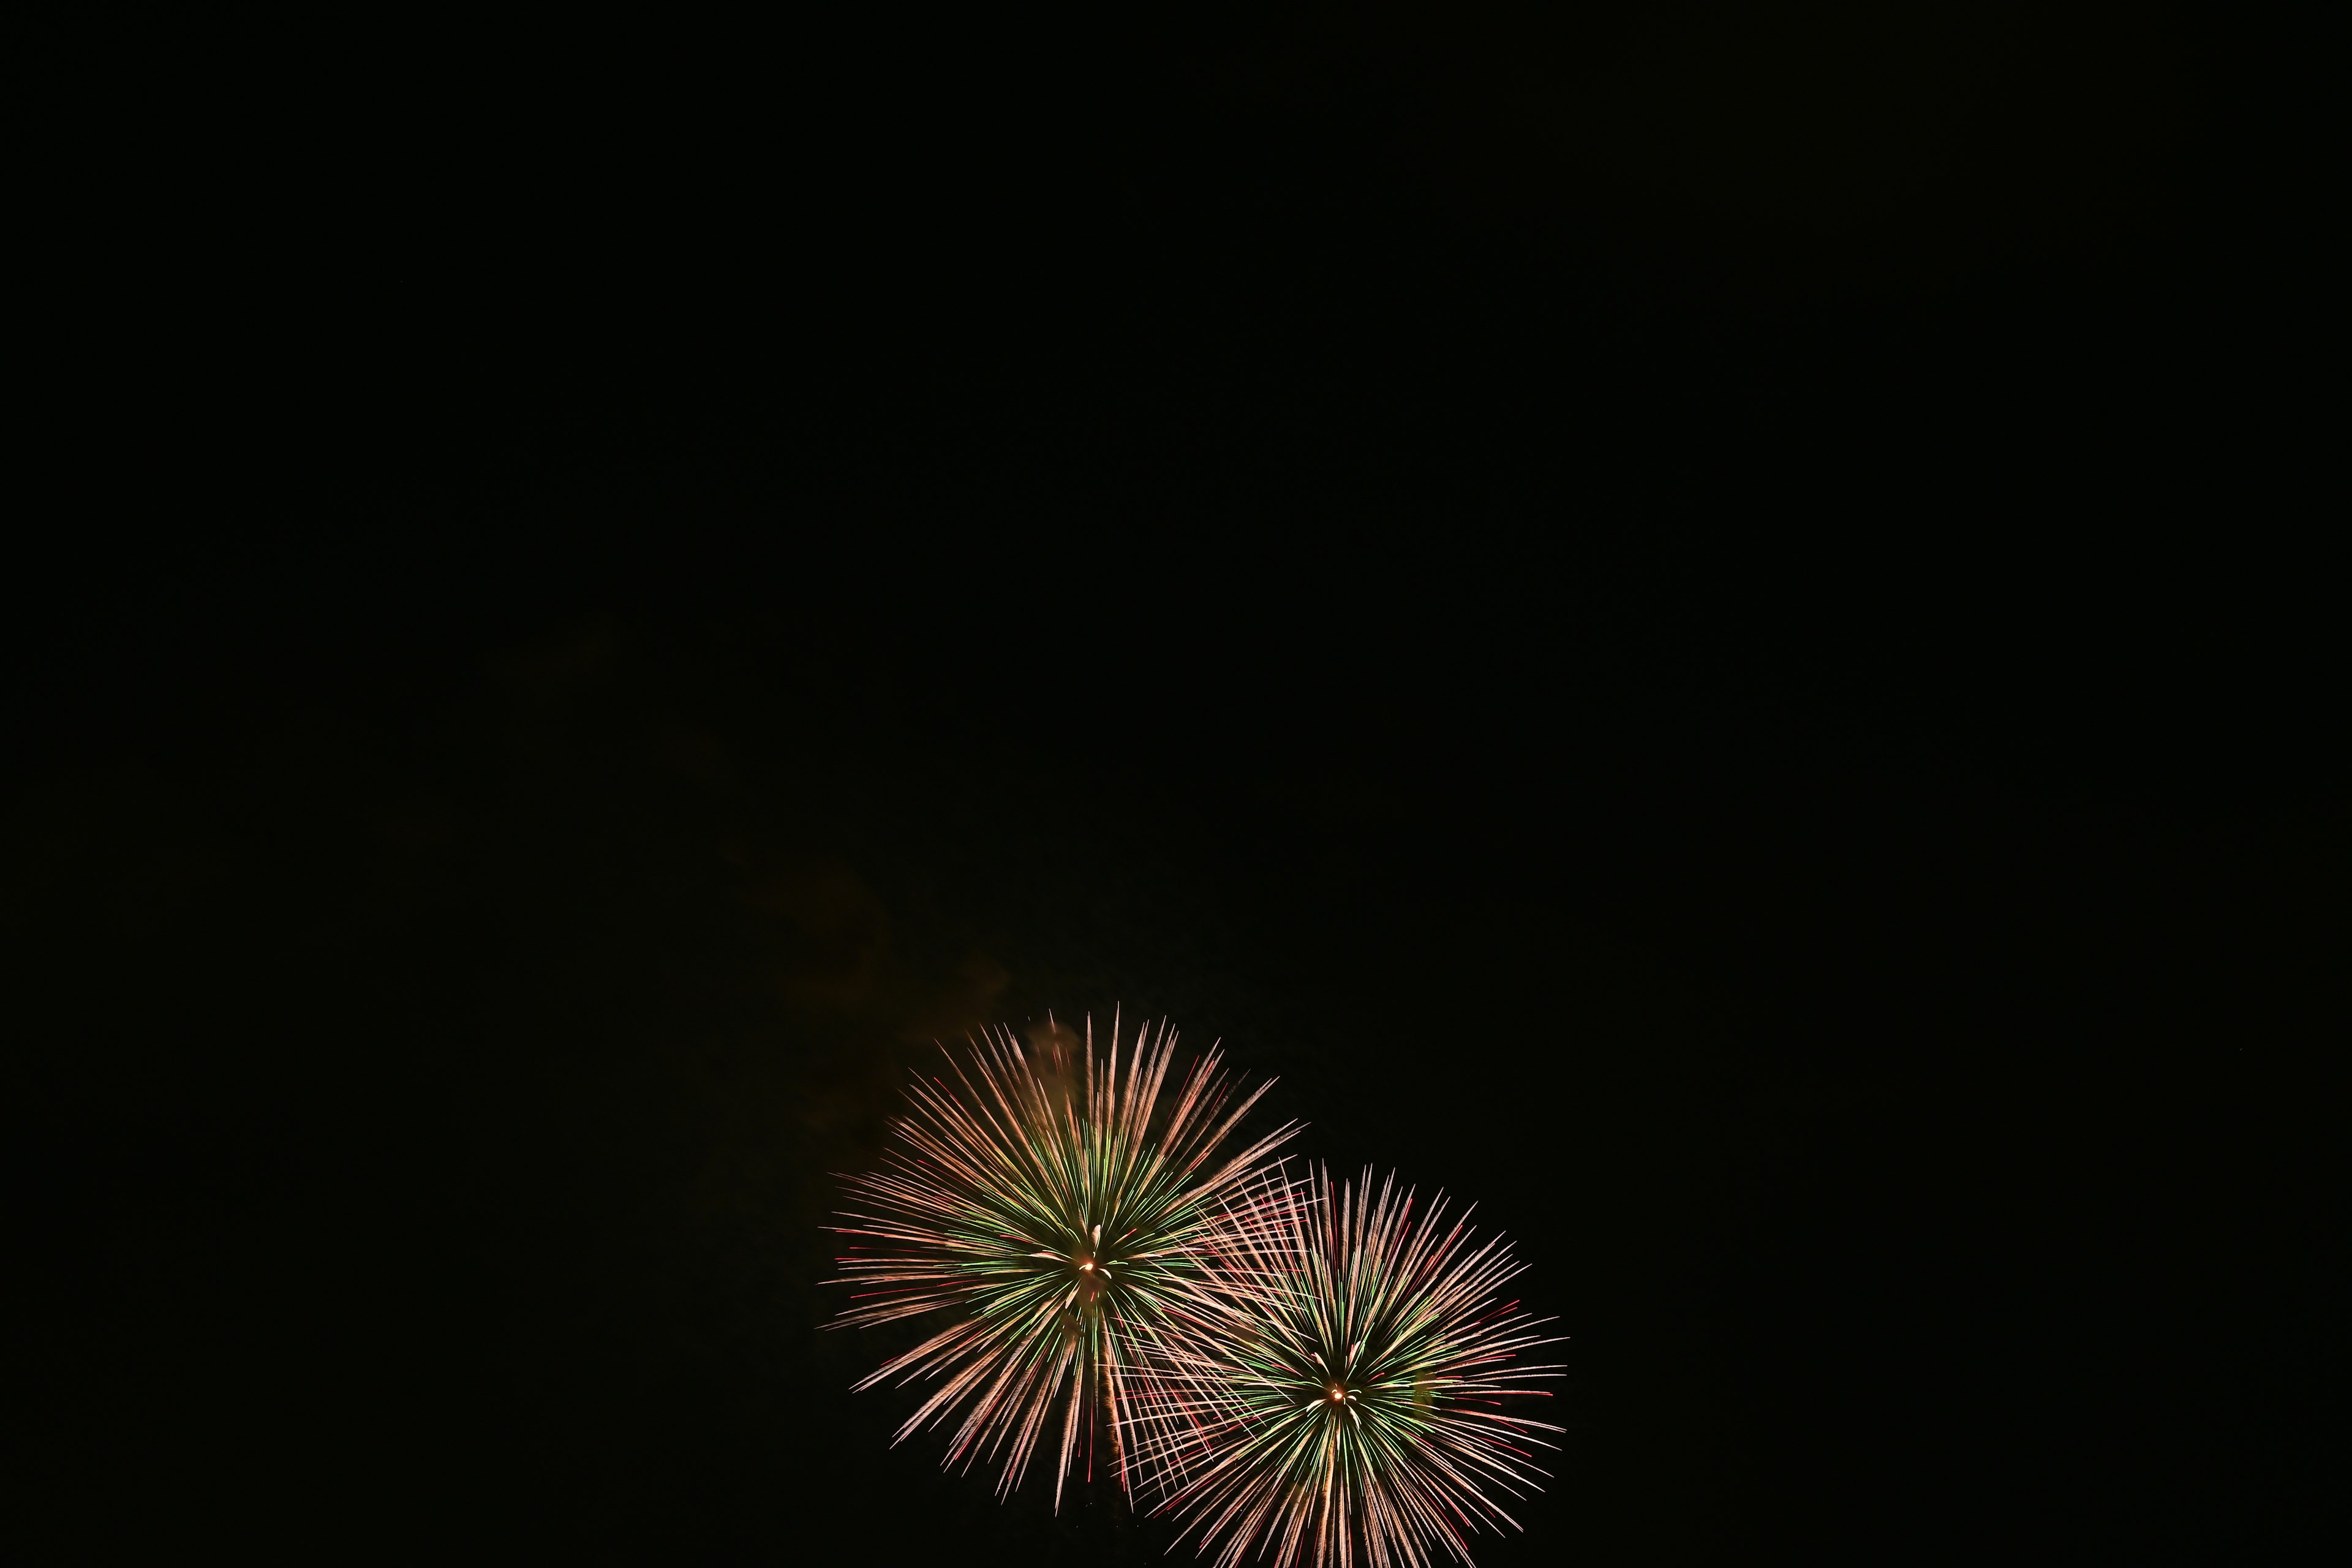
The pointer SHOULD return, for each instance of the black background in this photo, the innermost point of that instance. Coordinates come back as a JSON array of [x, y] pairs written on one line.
[[1711, 629]]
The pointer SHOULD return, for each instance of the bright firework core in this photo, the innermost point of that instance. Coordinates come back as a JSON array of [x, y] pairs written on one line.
[[1090, 1271], [1092, 1278]]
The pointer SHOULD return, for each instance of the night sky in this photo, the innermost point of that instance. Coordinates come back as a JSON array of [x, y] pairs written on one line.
[[1709, 628]]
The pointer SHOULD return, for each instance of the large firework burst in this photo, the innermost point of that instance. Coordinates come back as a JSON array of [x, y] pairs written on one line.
[[1333, 1392], [1050, 1205]]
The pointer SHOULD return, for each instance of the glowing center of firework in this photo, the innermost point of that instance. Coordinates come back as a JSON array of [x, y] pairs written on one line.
[[1087, 1254], [1337, 1396], [1091, 1272]]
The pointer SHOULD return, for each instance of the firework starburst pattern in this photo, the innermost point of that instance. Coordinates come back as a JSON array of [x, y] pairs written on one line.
[[1288, 1368], [1055, 1210], [1343, 1386]]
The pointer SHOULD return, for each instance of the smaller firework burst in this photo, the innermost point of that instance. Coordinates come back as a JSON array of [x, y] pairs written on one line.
[[1054, 1209], [1335, 1396]]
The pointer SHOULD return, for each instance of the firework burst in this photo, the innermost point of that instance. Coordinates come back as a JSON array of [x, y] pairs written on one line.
[[1051, 1206], [1333, 1392]]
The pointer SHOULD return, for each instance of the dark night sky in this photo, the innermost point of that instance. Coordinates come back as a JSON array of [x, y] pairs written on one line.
[[1706, 629]]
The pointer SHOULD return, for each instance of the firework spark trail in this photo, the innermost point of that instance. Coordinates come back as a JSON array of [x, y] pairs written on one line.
[[1328, 1387], [1045, 1203]]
